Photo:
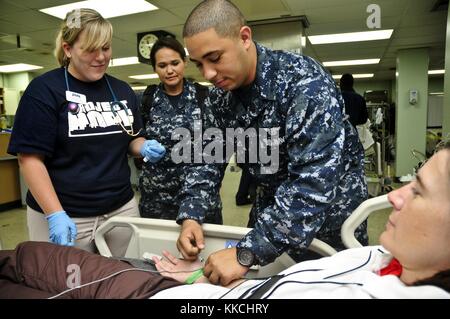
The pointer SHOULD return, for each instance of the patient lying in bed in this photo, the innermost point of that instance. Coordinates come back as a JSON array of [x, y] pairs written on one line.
[[44, 270], [413, 261]]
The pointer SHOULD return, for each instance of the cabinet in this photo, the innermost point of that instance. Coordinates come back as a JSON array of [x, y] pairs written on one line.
[[10, 196]]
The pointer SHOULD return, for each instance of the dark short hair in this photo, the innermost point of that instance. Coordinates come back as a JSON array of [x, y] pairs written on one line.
[[346, 81], [444, 145], [166, 42], [441, 280], [221, 15]]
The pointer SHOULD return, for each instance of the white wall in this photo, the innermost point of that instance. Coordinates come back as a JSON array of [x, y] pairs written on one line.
[[446, 111], [18, 81], [435, 84], [14, 84]]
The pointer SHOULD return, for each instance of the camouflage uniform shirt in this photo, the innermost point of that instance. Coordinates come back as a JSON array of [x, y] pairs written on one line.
[[166, 186], [320, 179]]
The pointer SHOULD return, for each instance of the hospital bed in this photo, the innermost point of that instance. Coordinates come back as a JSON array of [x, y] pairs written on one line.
[[155, 235], [358, 216]]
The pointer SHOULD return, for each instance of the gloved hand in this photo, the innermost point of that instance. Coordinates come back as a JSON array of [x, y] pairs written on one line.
[[152, 151], [62, 230]]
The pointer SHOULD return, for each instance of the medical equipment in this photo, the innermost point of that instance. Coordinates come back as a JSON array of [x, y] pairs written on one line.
[[111, 276], [155, 235], [74, 108], [413, 96], [375, 161], [194, 277], [149, 256]]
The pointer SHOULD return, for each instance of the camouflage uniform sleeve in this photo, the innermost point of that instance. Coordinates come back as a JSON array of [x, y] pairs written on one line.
[[201, 187], [314, 140], [200, 192]]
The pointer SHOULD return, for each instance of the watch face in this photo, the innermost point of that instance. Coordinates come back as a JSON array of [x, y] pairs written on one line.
[[145, 45], [245, 257]]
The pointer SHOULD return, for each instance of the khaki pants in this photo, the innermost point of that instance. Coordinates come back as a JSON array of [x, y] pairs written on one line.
[[117, 239]]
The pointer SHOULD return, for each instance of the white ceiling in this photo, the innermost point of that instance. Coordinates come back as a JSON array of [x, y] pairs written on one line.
[[414, 24]]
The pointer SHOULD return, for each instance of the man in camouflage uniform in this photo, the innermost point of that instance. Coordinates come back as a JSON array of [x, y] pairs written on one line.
[[164, 186], [320, 179]]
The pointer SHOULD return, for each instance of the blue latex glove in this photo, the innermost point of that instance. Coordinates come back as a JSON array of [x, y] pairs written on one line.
[[62, 230], [152, 151]]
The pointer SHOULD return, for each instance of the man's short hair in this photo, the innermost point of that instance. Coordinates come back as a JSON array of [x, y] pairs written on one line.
[[222, 15]]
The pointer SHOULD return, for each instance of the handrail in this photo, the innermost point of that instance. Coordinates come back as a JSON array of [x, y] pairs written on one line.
[[358, 216]]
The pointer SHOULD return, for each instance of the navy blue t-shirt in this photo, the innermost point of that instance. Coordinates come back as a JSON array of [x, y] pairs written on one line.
[[175, 99], [85, 153]]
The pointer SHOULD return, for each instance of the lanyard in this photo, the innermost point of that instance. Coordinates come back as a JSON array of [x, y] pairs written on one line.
[[115, 102]]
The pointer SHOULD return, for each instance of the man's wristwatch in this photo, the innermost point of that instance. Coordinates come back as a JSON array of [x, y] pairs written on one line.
[[245, 256]]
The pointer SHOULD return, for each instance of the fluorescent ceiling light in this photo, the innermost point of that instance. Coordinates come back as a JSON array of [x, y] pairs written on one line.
[[144, 76], [351, 37], [124, 61], [138, 88], [205, 83], [436, 72], [19, 67], [351, 62], [437, 93], [186, 51], [355, 76], [107, 8]]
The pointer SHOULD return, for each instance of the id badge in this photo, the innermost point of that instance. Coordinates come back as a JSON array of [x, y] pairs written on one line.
[[75, 97]]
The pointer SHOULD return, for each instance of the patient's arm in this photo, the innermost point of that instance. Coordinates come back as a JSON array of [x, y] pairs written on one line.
[[180, 269]]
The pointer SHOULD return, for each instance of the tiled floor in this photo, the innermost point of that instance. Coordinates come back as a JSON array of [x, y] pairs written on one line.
[[13, 227]]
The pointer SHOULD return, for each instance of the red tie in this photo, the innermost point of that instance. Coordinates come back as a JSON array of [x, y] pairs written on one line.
[[394, 268]]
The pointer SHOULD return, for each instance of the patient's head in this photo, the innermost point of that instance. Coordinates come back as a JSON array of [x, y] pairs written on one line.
[[418, 230]]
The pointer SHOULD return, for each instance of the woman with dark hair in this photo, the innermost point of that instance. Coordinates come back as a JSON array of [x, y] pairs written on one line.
[[175, 103]]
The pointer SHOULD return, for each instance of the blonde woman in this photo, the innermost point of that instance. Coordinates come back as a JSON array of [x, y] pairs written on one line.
[[73, 130]]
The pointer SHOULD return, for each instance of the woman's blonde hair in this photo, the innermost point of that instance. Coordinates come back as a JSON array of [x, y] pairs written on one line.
[[98, 32]]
